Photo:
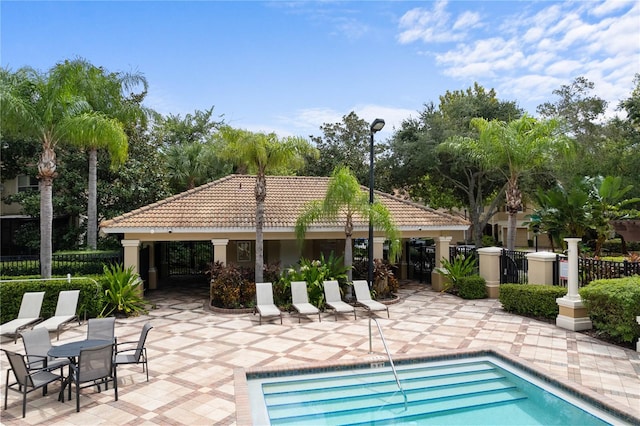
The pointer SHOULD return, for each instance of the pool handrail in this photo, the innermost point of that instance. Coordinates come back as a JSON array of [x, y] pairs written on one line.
[[386, 349]]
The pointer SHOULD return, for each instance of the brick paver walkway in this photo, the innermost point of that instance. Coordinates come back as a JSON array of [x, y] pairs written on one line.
[[193, 353]]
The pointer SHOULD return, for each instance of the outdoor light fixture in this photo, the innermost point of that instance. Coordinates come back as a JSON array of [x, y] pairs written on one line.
[[376, 126]]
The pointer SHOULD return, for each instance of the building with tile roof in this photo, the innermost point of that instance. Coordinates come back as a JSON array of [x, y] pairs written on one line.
[[222, 213]]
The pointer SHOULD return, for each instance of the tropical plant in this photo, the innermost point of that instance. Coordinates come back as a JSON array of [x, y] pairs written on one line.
[[384, 281], [345, 198], [262, 154], [315, 273], [122, 292], [562, 211], [461, 266], [49, 108], [230, 287], [607, 200]]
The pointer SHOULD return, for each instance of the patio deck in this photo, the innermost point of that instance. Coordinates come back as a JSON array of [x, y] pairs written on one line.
[[193, 353]]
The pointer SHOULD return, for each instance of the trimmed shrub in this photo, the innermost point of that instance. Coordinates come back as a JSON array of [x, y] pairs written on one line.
[[613, 305], [531, 300], [90, 302], [472, 287]]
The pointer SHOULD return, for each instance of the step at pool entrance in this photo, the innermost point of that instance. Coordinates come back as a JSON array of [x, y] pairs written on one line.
[[461, 391]]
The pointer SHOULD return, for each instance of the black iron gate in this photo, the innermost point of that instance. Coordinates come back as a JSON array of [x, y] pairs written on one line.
[[421, 259], [514, 267], [188, 257]]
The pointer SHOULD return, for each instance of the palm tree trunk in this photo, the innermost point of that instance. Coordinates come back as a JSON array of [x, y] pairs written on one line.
[[46, 173], [46, 226], [92, 208], [261, 195], [514, 203]]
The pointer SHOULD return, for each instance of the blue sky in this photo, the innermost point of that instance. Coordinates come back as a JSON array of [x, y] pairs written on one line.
[[289, 67]]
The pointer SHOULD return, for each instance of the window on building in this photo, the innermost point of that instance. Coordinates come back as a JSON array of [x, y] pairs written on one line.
[[27, 183]]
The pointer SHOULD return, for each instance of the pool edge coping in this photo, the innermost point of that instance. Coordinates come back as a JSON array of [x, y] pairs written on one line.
[[243, 406]]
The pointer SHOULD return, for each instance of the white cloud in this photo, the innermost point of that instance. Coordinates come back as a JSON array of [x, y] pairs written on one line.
[[539, 48], [609, 6], [467, 20], [433, 25]]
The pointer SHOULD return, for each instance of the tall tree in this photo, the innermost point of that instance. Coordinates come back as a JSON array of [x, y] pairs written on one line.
[[198, 127], [343, 144], [46, 107], [580, 115], [109, 94], [439, 174], [263, 154], [345, 198], [515, 149]]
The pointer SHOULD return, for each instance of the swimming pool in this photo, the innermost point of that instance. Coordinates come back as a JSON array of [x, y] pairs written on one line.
[[481, 387]]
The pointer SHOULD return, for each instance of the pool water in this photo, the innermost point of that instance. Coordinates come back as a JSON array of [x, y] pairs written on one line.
[[477, 391]]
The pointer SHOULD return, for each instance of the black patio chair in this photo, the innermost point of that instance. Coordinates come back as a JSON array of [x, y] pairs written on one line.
[[136, 355], [27, 380], [95, 366]]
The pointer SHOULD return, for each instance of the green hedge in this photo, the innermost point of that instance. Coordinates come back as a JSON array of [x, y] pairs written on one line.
[[531, 300], [472, 287], [613, 305], [90, 302]]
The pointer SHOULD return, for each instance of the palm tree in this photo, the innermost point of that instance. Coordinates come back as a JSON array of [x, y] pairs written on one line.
[[193, 164], [46, 107], [345, 198], [262, 153], [515, 149], [106, 93]]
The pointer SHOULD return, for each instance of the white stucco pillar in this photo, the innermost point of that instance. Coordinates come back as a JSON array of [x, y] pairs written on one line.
[[442, 251], [220, 250], [572, 313], [489, 265], [131, 255], [378, 247], [541, 267]]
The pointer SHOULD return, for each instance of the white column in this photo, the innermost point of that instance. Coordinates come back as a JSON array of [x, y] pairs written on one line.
[[220, 250], [442, 251], [572, 278], [131, 254], [378, 247], [573, 315]]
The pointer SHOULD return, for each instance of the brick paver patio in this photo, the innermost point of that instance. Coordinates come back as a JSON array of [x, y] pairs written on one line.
[[193, 353]]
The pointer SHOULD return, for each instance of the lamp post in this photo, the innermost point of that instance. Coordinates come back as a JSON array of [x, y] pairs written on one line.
[[376, 126]]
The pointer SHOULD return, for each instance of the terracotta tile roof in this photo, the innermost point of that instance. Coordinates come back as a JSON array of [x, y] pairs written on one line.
[[229, 203]]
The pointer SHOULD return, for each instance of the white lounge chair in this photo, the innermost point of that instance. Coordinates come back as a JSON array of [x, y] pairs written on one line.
[[65, 312], [363, 296], [334, 301], [28, 315], [300, 299], [264, 302]]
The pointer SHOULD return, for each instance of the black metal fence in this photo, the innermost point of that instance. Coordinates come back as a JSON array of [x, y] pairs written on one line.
[[514, 267], [61, 264], [594, 269]]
